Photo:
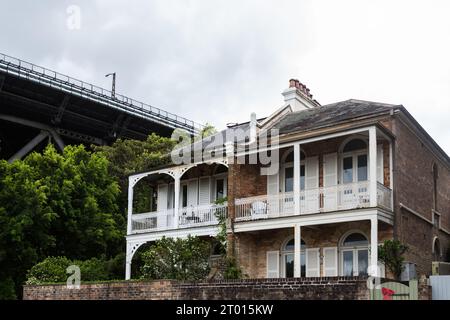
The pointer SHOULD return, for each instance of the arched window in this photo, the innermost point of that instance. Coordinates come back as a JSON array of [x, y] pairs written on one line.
[[436, 250], [287, 259], [354, 144], [354, 161], [354, 254]]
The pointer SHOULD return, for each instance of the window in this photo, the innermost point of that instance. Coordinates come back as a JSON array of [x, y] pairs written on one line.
[[435, 177], [287, 257], [354, 255], [436, 250], [220, 188], [354, 161], [353, 145], [289, 172], [289, 179], [185, 195], [347, 170]]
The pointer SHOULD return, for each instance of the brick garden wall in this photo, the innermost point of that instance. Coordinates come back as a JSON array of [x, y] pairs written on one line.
[[278, 289]]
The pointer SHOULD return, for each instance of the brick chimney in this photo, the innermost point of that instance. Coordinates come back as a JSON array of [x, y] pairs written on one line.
[[298, 96]]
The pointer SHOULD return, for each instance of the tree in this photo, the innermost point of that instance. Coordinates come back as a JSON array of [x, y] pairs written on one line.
[[179, 259], [24, 222], [83, 198], [130, 156], [391, 254], [56, 205]]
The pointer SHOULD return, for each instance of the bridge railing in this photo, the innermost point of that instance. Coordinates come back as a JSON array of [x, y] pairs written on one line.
[[65, 83]]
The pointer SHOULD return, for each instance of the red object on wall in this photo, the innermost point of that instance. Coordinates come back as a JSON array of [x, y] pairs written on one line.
[[387, 293]]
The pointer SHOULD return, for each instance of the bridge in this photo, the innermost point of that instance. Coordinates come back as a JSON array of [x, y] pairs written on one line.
[[38, 104]]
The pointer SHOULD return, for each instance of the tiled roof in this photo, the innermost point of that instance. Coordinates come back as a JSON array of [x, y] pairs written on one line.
[[330, 114]]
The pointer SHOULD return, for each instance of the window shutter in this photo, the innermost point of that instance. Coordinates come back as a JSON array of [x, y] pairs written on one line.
[[330, 175], [162, 197], [312, 184], [192, 192], [312, 262], [380, 173], [330, 262], [273, 189], [273, 264], [204, 188]]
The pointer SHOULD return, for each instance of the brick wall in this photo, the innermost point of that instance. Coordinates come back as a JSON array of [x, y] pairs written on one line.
[[248, 289], [251, 247], [413, 187]]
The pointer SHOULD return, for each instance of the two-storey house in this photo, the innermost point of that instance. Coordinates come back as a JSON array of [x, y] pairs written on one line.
[[311, 190]]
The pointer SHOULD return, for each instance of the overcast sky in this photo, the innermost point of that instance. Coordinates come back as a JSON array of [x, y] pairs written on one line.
[[218, 61]]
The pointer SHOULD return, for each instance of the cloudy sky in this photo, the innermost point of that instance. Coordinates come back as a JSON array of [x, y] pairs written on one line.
[[218, 61]]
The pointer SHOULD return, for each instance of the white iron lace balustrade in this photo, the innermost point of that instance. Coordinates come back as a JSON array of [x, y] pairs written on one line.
[[193, 216], [325, 199]]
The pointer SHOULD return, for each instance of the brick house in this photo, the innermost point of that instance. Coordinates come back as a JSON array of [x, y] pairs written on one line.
[[311, 190]]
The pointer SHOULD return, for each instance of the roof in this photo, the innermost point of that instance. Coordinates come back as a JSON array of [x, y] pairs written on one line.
[[330, 114]]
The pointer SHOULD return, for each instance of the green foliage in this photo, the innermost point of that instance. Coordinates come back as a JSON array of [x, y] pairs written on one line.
[[7, 289], [81, 196], [55, 204], [391, 254], [232, 270], [50, 270], [93, 269], [221, 238], [179, 259], [130, 156], [53, 269]]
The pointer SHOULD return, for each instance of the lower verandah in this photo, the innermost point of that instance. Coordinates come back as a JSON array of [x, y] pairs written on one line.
[[339, 249]]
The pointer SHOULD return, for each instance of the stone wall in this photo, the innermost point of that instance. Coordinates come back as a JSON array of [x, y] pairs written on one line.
[[337, 288]]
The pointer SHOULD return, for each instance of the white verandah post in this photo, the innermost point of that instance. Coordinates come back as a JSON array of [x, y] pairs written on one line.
[[296, 179], [297, 250], [373, 247], [129, 226], [373, 166], [176, 201]]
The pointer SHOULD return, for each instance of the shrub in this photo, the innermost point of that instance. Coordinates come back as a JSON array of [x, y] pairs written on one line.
[[52, 269], [179, 259], [93, 270], [232, 270], [391, 254]]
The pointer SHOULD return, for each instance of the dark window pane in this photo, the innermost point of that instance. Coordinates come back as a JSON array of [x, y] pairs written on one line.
[[362, 167], [220, 189], [302, 177], [355, 144], [289, 265], [289, 179], [184, 196], [363, 262], [355, 239], [348, 169], [348, 263]]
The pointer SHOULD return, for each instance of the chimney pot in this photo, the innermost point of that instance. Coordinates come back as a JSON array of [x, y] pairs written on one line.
[[292, 83]]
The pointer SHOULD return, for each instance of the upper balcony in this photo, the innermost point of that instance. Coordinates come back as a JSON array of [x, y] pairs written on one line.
[[326, 199]]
